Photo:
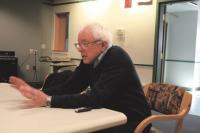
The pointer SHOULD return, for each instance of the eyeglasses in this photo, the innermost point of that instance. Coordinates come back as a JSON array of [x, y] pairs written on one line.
[[84, 45]]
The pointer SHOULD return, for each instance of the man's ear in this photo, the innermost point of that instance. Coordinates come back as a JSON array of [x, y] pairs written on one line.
[[104, 45]]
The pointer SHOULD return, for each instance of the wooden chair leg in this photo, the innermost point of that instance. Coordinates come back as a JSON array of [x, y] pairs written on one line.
[[178, 126]]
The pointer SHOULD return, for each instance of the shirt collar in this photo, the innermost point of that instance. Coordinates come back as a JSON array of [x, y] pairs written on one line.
[[100, 57]]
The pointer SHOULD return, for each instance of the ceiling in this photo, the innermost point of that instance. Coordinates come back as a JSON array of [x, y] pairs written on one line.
[[184, 6], [55, 2], [197, 2]]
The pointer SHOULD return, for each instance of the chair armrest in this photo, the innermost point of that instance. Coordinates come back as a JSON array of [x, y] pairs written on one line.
[[154, 118]]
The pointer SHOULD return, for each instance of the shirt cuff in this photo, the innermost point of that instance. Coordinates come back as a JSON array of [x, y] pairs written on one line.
[[48, 102]]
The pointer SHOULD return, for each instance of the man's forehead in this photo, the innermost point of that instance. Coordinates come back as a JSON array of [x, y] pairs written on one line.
[[85, 36], [87, 31]]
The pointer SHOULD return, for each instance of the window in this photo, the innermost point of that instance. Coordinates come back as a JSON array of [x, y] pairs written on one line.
[[61, 32]]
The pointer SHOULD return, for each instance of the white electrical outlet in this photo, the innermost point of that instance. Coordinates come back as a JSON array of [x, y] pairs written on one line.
[[43, 46], [31, 51], [27, 67]]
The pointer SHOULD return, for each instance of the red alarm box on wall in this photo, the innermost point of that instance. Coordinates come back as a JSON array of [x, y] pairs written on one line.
[[128, 4]]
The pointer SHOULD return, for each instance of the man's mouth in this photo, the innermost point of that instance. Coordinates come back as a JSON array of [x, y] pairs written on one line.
[[83, 56]]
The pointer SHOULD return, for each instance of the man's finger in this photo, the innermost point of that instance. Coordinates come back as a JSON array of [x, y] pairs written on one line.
[[28, 92]]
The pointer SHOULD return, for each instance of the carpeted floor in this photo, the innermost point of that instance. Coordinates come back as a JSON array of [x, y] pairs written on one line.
[[191, 124]]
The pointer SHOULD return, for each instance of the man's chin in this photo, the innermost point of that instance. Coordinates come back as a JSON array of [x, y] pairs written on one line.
[[86, 62]]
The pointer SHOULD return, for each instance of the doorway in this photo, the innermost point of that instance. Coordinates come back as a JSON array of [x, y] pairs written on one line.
[[177, 51], [61, 32]]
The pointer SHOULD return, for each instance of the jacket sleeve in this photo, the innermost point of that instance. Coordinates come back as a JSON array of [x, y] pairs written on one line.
[[103, 91], [77, 82]]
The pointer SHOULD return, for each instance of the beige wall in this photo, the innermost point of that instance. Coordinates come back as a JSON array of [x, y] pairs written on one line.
[[46, 39], [138, 24], [30, 25], [20, 30]]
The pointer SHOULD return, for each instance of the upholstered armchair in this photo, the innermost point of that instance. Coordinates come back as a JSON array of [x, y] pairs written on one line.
[[173, 102]]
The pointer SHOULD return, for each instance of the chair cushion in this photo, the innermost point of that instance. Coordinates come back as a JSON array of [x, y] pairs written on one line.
[[165, 98]]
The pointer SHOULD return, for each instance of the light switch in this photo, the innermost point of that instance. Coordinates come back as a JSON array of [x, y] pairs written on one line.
[[120, 35]]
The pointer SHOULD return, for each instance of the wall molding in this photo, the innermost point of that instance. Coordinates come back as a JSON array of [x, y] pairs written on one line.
[[186, 61], [146, 65], [64, 2]]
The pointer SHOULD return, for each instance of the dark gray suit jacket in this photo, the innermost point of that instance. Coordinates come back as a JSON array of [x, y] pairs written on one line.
[[114, 85]]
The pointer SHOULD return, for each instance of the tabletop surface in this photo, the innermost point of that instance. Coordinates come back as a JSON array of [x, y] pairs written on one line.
[[17, 116]]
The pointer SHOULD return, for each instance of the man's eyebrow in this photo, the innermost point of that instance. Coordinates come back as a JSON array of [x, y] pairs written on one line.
[[84, 40]]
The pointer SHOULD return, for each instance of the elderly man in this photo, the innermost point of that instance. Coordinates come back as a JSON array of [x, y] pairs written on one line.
[[105, 78]]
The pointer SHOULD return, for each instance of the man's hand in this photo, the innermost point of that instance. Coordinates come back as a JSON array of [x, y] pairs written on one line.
[[37, 97], [17, 82]]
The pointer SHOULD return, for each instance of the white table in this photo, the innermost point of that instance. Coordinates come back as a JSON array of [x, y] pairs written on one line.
[[17, 117]]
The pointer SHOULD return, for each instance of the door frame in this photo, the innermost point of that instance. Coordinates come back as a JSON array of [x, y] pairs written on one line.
[[159, 31]]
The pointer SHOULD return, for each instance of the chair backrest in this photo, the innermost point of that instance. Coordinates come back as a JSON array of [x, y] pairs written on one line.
[[167, 98], [57, 78], [69, 67]]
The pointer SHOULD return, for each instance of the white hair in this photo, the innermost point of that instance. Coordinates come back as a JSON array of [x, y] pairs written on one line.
[[99, 32]]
